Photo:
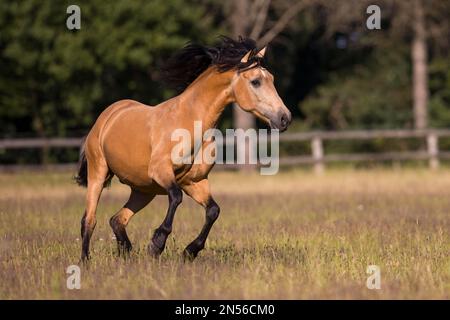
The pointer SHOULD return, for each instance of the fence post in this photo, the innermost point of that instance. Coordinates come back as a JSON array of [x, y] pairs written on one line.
[[433, 150], [317, 153]]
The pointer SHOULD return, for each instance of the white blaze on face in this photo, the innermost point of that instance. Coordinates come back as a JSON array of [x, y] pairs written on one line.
[[267, 96]]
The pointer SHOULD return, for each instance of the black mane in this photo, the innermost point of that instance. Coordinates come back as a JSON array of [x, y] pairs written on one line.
[[188, 63]]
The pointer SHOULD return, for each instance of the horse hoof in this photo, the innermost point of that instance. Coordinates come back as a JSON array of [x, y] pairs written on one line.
[[188, 256], [153, 250], [124, 249], [85, 257]]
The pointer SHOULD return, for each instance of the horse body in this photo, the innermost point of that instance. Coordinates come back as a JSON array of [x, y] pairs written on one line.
[[123, 149], [133, 141]]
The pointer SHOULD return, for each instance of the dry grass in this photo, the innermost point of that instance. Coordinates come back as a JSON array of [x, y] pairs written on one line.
[[290, 236]]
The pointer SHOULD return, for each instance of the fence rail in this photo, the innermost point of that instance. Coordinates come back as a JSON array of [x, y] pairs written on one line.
[[318, 157], [30, 143]]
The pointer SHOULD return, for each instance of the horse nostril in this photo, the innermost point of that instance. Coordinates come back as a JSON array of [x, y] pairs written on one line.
[[284, 121]]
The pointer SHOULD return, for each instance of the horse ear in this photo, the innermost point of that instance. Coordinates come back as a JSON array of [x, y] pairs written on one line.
[[246, 57], [261, 52]]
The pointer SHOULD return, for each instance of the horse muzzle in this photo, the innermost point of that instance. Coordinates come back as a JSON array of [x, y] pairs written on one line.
[[281, 121]]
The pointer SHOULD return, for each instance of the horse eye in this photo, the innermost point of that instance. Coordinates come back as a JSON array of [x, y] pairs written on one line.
[[255, 83]]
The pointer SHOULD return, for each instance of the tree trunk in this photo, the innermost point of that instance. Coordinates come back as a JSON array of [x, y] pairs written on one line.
[[420, 68], [241, 119]]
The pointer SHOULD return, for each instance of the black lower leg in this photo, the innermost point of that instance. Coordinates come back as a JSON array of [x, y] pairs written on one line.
[[87, 227], [212, 213], [83, 227], [123, 242], [160, 235]]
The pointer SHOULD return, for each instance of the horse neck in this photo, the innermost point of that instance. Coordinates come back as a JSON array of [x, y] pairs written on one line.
[[206, 98]]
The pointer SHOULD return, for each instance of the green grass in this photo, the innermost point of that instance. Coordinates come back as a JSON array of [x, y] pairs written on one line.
[[289, 236]]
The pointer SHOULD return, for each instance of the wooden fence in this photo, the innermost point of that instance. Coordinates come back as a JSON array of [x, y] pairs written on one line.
[[318, 157]]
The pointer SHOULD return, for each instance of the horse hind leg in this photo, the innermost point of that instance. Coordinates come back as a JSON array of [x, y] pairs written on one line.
[[119, 221], [97, 175], [199, 191]]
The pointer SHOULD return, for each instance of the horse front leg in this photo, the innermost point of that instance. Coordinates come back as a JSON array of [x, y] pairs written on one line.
[[158, 242]]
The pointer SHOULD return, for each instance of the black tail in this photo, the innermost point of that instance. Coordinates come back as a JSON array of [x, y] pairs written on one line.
[[81, 178]]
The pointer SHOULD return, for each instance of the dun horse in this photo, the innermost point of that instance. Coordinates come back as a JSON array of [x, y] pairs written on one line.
[[133, 141]]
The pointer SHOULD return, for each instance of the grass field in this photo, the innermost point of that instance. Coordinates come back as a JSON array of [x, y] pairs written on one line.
[[290, 236]]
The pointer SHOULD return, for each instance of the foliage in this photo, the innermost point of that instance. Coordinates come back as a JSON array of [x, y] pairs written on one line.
[[56, 81], [376, 95], [440, 92]]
